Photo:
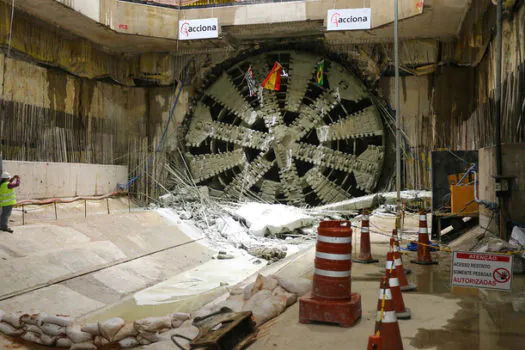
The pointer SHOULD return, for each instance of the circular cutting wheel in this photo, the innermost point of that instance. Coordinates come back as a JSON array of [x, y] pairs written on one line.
[[304, 144]]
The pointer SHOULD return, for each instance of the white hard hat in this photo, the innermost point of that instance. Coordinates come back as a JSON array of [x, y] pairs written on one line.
[[6, 175]]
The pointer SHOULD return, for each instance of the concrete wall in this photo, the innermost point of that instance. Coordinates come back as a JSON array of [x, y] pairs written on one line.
[[50, 180], [89, 8], [513, 165]]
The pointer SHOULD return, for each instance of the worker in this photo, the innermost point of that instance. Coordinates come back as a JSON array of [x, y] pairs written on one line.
[[7, 199]]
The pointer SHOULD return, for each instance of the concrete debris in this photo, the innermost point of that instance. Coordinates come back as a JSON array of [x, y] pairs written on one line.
[[491, 243], [271, 219], [252, 227], [270, 254], [375, 200]]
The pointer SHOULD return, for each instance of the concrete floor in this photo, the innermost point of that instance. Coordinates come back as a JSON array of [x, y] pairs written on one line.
[[442, 318]]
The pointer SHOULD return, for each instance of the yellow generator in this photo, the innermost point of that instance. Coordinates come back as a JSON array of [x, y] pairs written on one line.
[[462, 194]]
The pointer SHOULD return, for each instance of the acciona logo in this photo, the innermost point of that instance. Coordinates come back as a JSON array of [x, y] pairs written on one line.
[[337, 19], [349, 19], [186, 28], [198, 29]]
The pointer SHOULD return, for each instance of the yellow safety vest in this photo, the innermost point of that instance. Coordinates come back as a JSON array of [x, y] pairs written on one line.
[[7, 195]]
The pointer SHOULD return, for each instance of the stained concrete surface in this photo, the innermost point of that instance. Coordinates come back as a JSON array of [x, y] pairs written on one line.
[[442, 317]]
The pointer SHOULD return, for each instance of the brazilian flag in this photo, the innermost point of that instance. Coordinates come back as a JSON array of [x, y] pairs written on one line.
[[319, 76]]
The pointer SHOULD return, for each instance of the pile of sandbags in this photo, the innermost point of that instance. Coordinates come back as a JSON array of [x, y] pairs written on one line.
[[37, 327], [59, 330], [266, 298]]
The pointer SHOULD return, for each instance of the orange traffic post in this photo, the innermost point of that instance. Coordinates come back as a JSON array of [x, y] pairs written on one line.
[[365, 253], [331, 299], [402, 312], [423, 244], [387, 335]]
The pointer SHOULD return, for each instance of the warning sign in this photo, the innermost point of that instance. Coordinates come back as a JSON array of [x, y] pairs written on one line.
[[482, 270]]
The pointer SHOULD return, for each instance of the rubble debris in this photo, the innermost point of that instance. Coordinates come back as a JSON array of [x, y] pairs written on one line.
[[270, 254]]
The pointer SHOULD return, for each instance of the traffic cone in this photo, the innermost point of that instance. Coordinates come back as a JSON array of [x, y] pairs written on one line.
[[423, 244], [387, 335], [393, 261], [402, 312], [395, 247], [365, 254]]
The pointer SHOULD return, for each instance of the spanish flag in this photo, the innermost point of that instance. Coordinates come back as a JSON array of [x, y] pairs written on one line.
[[273, 80], [319, 76]]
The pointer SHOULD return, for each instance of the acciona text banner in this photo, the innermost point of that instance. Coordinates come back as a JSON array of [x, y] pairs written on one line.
[[349, 19], [205, 28]]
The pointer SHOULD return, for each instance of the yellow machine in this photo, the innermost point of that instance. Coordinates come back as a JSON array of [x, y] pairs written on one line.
[[462, 194]]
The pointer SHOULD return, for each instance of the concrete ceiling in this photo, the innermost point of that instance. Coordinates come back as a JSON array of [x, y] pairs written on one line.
[[440, 19]]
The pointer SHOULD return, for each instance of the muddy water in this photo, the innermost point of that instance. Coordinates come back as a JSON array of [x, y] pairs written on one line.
[[486, 320]]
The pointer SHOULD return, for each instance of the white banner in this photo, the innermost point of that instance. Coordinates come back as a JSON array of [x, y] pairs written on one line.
[[482, 270], [191, 29], [349, 19]]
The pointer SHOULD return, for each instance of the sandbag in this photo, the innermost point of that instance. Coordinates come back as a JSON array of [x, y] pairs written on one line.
[[32, 337], [110, 327], [8, 329], [100, 341], [78, 335], [299, 286], [64, 342], [84, 346], [129, 342], [149, 336], [178, 318], [91, 328], [2, 313], [33, 329], [234, 302], [125, 332], [53, 329], [61, 320], [48, 340], [142, 340], [286, 298], [264, 306], [247, 294], [153, 324], [34, 319], [14, 318]]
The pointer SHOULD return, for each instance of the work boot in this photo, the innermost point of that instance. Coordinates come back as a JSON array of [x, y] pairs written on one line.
[[10, 230]]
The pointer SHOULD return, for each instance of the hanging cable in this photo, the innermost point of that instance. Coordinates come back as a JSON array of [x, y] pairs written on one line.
[[11, 28], [164, 133]]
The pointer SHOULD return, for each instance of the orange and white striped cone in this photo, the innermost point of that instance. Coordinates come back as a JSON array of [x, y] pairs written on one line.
[[402, 312], [397, 248], [387, 335], [365, 254], [423, 244], [393, 260]]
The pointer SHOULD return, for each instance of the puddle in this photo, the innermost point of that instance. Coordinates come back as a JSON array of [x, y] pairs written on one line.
[[486, 320]]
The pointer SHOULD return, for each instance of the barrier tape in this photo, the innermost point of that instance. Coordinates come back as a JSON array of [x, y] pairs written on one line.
[[440, 247]]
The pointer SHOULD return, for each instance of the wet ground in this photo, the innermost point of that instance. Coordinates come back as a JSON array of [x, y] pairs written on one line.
[[443, 317]]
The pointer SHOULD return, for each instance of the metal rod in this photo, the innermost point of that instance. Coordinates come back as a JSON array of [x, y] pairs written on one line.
[[398, 121], [85, 208], [107, 202], [56, 215], [23, 216], [497, 118], [129, 202]]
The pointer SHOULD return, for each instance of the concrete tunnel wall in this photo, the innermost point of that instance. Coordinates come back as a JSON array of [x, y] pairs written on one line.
[[50, 180]]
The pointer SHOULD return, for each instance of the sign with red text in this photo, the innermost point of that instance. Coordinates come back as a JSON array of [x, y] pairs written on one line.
[[482, 270], [191, 29], [349, 19]]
